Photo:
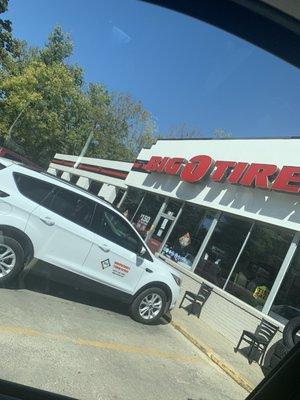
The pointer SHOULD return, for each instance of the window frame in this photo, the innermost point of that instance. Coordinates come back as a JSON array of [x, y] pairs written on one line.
[[17, 174], [209, 236], [282, 272], [156, 217]]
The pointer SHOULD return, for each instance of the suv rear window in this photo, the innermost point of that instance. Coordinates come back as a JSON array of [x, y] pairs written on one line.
[[33, 188], [72, 206]]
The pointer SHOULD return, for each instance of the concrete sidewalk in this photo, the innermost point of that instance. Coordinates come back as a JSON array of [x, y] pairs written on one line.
[[217, 348]]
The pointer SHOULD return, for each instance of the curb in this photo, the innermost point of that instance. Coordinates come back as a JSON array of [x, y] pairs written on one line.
[[215, 358]]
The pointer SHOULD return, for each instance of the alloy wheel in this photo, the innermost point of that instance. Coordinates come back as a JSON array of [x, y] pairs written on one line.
[[7, 259], [150, 306]]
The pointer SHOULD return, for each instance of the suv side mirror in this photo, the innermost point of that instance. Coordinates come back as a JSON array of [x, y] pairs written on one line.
[[142, 251]]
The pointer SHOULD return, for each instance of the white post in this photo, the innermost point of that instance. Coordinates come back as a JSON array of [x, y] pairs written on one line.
[[84, 150]]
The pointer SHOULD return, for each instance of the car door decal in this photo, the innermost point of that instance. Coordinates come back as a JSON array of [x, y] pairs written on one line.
[[105, 263], [120, 269]]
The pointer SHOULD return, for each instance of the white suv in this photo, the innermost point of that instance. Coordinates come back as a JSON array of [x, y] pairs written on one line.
[[43, 218]]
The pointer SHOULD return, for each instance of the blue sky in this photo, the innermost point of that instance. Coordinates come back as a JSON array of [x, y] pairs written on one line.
[[183, 70]]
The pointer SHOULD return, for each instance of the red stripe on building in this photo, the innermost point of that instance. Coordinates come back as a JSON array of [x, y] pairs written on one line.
[[115, 173]]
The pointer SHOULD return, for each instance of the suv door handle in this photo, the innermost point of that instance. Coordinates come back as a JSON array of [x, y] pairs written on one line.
[[104, 247], [47, 220]]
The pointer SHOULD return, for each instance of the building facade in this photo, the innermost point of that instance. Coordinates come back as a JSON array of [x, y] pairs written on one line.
[[104, 178], [226, 212]]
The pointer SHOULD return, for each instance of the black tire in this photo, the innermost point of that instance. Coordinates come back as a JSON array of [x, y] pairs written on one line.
[[10, 243], [274, 355], [137, 302], [274, 361], [290, 332], [281, 350]]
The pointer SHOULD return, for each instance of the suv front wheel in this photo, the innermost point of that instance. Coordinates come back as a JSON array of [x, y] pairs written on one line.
[[11, 259], [149, 306]]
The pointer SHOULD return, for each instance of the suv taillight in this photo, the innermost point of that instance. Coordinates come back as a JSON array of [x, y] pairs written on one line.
[[3, 194]]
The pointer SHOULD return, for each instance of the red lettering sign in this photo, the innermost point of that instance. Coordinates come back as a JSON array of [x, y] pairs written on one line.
[[237, 172], [196, 168], [173, 165], [221, 168], [162, 164], [264, 176], [153, 163], [288, 180], [257, 175]]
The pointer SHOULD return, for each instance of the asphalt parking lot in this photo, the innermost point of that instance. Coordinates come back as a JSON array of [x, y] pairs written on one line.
[[73, 342]]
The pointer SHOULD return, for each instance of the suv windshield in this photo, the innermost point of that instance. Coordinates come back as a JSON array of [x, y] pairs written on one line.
[[149, 196]]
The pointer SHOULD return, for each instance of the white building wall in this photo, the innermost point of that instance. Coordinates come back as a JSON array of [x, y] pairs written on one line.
[[117, 165], [110, 184], [83, 182], [108, 192], [51, 171], [66, 176], [223, 312], [269, 206]]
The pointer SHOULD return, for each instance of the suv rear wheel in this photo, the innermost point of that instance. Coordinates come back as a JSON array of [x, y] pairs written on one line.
[[149, 306], [11, 259]]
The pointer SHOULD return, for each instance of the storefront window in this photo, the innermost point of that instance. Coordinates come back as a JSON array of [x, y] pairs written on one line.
[[147, 212], [191, 228], [172, 207], [95, 187], [287, 301], [74, 179], [257, 268], [118, 197], [131, 202], [222, 250], [163, 225]]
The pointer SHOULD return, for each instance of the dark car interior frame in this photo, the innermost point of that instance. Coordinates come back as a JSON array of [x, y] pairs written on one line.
[[274, 26]]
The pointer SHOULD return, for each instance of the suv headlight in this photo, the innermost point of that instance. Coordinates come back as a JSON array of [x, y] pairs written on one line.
[[176, 279]]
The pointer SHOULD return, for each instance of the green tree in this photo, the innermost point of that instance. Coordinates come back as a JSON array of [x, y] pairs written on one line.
[[42, 97], [9, 47], [53, 106], [184, 131], [136, 124], [120, 126], [58, 47]]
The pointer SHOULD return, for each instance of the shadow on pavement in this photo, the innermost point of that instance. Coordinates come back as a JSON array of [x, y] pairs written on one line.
[[65, 285], [76, 290]]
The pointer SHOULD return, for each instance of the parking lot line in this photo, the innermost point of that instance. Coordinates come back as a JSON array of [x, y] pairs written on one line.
[[114, 346]]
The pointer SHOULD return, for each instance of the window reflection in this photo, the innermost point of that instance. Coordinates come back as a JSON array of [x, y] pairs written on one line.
[[95, 187], [257, 268], [287, 301], [147, 213], [118, 198], [222, 250], [188, 234], [131, 202], [163, 225]]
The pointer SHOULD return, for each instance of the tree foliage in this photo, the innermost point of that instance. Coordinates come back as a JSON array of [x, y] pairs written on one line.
[[221, 134], [58, 48], [185, 131], [50, 108], [9, 47]]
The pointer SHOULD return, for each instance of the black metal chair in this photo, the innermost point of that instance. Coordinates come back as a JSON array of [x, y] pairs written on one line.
[[199, 298], [259, 340]]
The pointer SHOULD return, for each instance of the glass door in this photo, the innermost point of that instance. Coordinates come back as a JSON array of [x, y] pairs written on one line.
[[163, 225]]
